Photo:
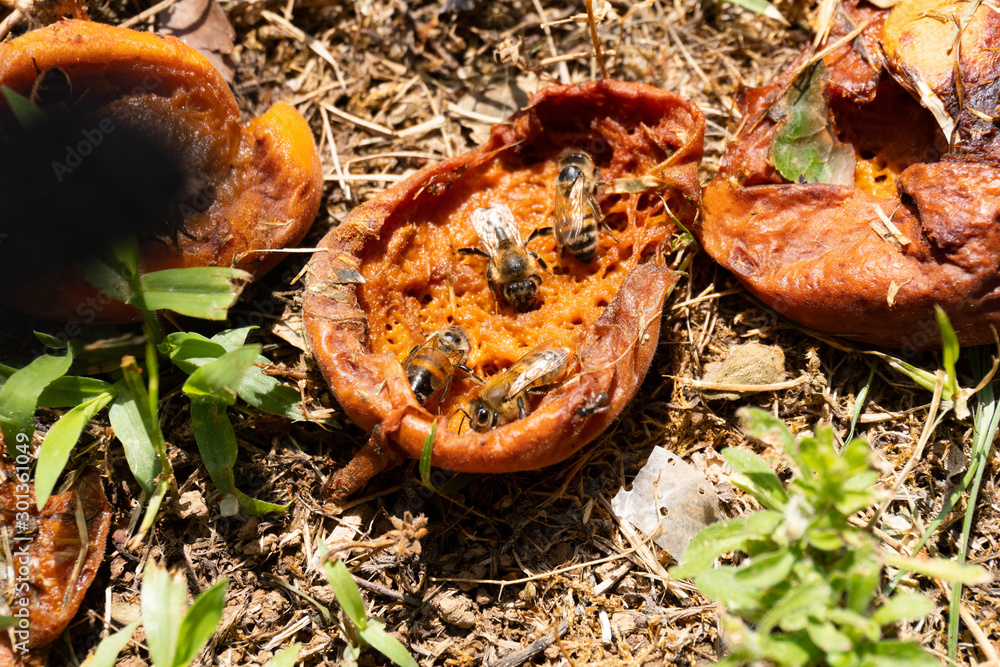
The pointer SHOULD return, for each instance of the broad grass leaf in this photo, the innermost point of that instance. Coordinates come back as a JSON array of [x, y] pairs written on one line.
[[347, 593], [164, 603], [804, 148], [28, 115], [127, 423], [755, 477], [59, 442], [20, 393], [107, 651], [65, 391], [200, 622], [387, 645], [206, 292], [216, 440], [216, 380], [190, 351]]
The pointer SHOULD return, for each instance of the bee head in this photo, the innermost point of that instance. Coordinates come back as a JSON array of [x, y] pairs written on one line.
[[570, 174], [455, 339], [481, 418], [523, 293]]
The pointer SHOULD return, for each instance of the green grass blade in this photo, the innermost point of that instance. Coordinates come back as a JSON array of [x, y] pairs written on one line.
[[387, 645], [347, 593], [425, 458], [107, 651], [200, 622], [215, 381], [859, 402], [164, 604], [152, 509], [126, 421], [213, 432], [59, 442], [19, 398], [232, 339], [27, 114], [949, 347], [206, 292], [984, 430], [132, 377], [190, 351]]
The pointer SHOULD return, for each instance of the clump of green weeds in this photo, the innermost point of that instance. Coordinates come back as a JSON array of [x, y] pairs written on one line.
[[806, 591]]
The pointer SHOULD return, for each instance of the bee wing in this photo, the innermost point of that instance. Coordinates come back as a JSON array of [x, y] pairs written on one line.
[[569, 212], [417, 348], [494, 224], [543, 363]]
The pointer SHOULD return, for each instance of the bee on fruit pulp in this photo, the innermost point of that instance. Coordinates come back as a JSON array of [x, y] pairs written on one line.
[[512, 271], [576, 212], [504, 396], [431, 367]]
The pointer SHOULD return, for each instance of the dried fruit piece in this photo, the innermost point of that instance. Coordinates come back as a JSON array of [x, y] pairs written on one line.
[[53, 561], [607, 311], [247, 187], [916, 227]]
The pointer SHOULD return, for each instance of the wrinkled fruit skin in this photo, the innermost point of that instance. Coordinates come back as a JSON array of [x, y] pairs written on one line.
[[250, 186], [402, 245], [810, 251], [58, 573]]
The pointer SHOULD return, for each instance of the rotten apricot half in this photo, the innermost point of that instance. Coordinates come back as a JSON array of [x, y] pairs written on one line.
[[390, 276], [53, 561], [245, 188], [912, 220]]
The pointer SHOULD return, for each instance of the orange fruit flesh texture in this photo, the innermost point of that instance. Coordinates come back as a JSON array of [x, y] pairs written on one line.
[[888, 134], [417, 283], [250, 186]]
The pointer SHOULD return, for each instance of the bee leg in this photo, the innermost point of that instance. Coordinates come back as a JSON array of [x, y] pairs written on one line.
[[541, 262], [490, 278], [603, 226], [473, 251], [520, 407], [471, 373], [539, 231]]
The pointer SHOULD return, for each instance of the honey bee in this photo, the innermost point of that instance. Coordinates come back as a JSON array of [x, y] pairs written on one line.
[[431, 367], [576, 213], [512, 270], [504, 396]]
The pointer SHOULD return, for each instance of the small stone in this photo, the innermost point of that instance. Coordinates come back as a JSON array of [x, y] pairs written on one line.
[[749, 364], [229, 505], [623, 622], [455, 609], [192, 505]]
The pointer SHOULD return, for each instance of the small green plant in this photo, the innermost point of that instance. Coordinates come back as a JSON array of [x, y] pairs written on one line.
[[175, 633], [807, 591], [363, 629], [221, 369]]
